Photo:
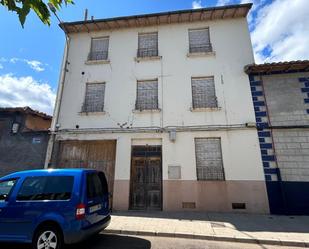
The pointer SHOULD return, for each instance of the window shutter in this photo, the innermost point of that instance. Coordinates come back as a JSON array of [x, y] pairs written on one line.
[[147, 95], [209, 165], [94, 99], [148, 44], [99, 48], [199, 40], [204, 93]]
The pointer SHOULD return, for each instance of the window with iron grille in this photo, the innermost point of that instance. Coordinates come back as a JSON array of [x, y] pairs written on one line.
[[147, 95], [204, 93], [147, 45], [99, 49], [199, 40], [209, 165], [94, 98]]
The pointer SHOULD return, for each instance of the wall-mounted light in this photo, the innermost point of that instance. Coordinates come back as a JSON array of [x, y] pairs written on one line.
[[172, 134]]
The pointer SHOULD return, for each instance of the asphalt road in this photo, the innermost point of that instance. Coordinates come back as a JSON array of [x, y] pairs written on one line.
[[109, 241]]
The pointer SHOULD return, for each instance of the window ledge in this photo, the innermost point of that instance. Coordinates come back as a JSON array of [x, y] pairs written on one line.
[[91, 113], [201, 54], [94, 62], [205, 109], [148, 58], [147, 111]]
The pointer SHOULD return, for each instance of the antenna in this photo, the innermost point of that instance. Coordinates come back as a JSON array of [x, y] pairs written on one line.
[[86, 15]]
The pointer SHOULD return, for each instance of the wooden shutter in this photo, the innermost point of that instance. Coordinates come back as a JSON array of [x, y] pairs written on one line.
[[199, 40], [147, 44], [147, 95], [94, 99], [204, 93], [209, 165], [99, 48]]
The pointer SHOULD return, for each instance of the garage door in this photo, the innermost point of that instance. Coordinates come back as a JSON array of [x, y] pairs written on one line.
[[96, 154]]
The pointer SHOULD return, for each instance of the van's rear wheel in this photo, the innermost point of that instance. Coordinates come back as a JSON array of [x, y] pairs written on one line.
[[47, 237]]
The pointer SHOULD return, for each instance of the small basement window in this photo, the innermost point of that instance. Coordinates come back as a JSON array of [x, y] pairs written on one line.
[[238, 205]]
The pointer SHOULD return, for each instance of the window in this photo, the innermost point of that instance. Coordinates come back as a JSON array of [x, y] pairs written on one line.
[[147, 45], [199, 40], [96, 185], [46, 188], [5, 188], [99, 49], [209, 165], [147, 95], [94, 98], [203, 93]]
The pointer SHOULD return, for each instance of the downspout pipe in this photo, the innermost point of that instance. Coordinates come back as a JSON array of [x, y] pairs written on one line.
[[54, 124]]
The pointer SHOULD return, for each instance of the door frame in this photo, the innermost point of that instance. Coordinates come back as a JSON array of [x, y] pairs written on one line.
[[131, 178]]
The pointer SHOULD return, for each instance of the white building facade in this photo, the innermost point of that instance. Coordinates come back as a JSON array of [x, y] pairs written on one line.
[[161, 103]]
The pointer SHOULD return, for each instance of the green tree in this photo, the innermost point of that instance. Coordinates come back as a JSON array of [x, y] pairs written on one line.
[[23, 7]]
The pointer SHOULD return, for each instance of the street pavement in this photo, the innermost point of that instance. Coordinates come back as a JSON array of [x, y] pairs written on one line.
[[246, 228], [111, 241]]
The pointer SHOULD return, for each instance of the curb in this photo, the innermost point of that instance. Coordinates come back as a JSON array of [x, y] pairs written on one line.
[[277, 242]]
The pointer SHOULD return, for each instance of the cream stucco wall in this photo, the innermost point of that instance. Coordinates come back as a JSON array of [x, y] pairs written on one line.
[[231, 43]]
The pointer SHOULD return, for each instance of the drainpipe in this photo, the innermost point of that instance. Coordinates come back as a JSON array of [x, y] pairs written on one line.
[[54, 124]]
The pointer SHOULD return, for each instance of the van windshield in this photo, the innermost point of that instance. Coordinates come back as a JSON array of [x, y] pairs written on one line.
[[96, 185], [5, 188]]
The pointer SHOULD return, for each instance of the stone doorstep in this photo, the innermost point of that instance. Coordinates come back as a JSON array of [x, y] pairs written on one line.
[[292, 243]]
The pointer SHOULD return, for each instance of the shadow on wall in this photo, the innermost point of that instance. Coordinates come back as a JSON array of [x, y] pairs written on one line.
[[97, 242], [241, 222]]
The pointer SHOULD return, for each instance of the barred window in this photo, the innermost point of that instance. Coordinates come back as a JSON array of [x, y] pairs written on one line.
[[99, 49], [204, 93], [147, 95], [209, 165], [94, 98], [199, 40], [147, 45]]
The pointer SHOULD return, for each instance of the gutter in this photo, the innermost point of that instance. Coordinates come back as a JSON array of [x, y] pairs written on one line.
[[55, 119]]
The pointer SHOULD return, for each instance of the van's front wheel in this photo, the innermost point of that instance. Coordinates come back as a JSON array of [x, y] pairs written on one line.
[[47, 237]]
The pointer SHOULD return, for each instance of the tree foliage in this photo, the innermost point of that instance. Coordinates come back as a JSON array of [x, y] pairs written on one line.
[[23, 7]]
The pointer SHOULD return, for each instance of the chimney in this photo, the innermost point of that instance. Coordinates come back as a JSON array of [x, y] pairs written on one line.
[[86, 14]]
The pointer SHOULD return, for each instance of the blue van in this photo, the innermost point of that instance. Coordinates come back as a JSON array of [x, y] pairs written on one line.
[[52, 207]]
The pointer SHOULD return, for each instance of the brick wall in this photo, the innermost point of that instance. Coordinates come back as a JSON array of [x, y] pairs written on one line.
[[285, 95], [292, 152]]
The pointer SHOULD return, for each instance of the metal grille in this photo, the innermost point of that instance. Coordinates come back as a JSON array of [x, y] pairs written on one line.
[[99, 49], [94, 99], [209, 165], [203, 93], [199, 41], [147, 45], [147, 95]]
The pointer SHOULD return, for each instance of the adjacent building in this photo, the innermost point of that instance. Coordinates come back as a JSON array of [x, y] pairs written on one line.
[[23, 139], [162, 104], [280, 94]]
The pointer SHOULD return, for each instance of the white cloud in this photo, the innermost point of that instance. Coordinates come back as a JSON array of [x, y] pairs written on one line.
[[1, 66], [197, 4], [26, 91], [223, 2], [34, 64], [281, 31]]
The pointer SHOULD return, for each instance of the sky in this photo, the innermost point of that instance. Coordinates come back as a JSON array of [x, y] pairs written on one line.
[[30, 57]]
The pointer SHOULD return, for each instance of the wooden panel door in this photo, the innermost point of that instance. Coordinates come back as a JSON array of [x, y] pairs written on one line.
[[96, 154], [146, 183]]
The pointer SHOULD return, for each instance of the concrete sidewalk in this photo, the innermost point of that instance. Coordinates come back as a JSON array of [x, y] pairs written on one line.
[[262, 229]]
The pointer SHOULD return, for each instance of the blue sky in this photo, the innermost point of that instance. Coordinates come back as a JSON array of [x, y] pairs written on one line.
[[30, 58]]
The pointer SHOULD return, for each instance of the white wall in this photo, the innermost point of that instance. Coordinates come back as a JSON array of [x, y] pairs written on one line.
[[240, 151], [231, 43]]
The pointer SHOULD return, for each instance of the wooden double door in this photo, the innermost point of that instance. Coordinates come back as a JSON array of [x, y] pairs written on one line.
[[146, 178]]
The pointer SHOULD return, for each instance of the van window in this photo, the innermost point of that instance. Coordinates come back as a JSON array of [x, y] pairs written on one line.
[[46, 188], [5, 188], [96, 185]]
